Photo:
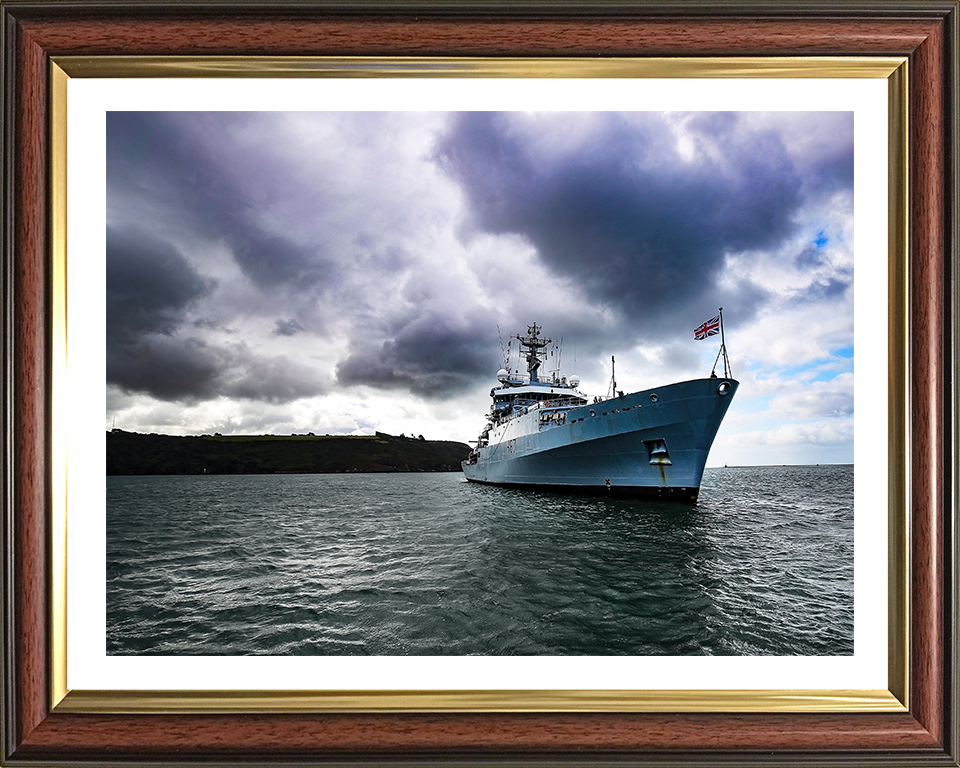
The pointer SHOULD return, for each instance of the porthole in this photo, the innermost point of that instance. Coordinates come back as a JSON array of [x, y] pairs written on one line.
[[593, 412], [724, 389], [654, 397]]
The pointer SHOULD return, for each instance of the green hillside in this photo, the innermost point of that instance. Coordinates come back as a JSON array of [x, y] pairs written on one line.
[[131, 453]]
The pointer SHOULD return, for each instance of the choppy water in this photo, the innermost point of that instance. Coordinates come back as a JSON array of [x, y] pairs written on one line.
[[429, 564]]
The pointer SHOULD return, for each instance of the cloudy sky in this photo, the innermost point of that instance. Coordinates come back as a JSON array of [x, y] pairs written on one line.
[[346, 272]]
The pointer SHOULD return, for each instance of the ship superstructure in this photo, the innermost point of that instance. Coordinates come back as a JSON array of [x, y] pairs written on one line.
[[545, 433]]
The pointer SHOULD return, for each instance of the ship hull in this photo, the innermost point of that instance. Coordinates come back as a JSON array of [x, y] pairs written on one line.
[[651, 443], [665, 493]]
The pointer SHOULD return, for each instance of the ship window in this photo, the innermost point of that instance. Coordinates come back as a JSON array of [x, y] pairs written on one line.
[[593, 412], [654, 397]]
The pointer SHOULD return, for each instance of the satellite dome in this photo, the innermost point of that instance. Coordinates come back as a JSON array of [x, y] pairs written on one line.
[[502, 374], [574, 381]]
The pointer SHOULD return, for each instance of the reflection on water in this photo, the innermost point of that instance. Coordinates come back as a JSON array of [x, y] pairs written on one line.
[[430, 564]]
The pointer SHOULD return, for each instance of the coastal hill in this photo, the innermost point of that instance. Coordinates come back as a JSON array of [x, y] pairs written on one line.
[[132, 453]]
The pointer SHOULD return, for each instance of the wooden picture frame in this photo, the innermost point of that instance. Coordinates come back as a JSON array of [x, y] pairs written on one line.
[[36, 731]]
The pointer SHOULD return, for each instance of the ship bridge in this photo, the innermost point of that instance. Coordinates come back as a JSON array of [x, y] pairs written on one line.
[[520, 399], [520, 393]]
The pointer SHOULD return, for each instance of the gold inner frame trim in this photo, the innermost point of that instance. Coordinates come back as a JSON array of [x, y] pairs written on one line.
[[898, 414], [437, 67], [58, 372], [227, 702], [893, 69]]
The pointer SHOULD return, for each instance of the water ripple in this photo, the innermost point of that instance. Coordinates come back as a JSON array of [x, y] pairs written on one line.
[[429, 564]]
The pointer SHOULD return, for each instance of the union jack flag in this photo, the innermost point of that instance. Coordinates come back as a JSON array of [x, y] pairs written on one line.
[[709, 328]]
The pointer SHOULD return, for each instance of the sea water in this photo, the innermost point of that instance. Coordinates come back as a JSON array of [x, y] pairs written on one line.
[[398, 564]]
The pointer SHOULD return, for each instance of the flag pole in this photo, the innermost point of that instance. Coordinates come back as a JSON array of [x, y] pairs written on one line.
[[727, 373]]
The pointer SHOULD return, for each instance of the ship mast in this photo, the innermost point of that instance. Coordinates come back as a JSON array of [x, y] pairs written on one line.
[[612, 392], [533, 345], [727, 372]]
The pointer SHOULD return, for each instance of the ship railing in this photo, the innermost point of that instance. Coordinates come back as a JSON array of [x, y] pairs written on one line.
[[559, 402], [518, 409]]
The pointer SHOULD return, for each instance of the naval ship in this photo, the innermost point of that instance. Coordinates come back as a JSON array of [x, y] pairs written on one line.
[[546, 434]]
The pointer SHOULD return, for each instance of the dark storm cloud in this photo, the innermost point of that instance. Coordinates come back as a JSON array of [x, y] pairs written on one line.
[[353, 234], [150, 285], [622, 214], [823, 150], [810, 258], [275, 379], [828, 289], [190, 168], [165, 367], [287, 328], [151, 288], [834, 169], [430, 355], [190, 369]]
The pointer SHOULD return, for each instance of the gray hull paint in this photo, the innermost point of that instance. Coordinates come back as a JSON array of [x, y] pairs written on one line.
[[614, 450]]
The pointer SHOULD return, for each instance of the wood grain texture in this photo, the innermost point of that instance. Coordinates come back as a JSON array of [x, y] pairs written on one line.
[[297, 735], [929, 382], [917, 737], [451, 37], [29, 389]]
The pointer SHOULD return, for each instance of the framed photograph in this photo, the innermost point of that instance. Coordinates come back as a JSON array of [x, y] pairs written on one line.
[[427, 115]]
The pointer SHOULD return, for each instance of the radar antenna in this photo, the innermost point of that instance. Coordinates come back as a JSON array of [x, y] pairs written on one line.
[[533, 345]]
